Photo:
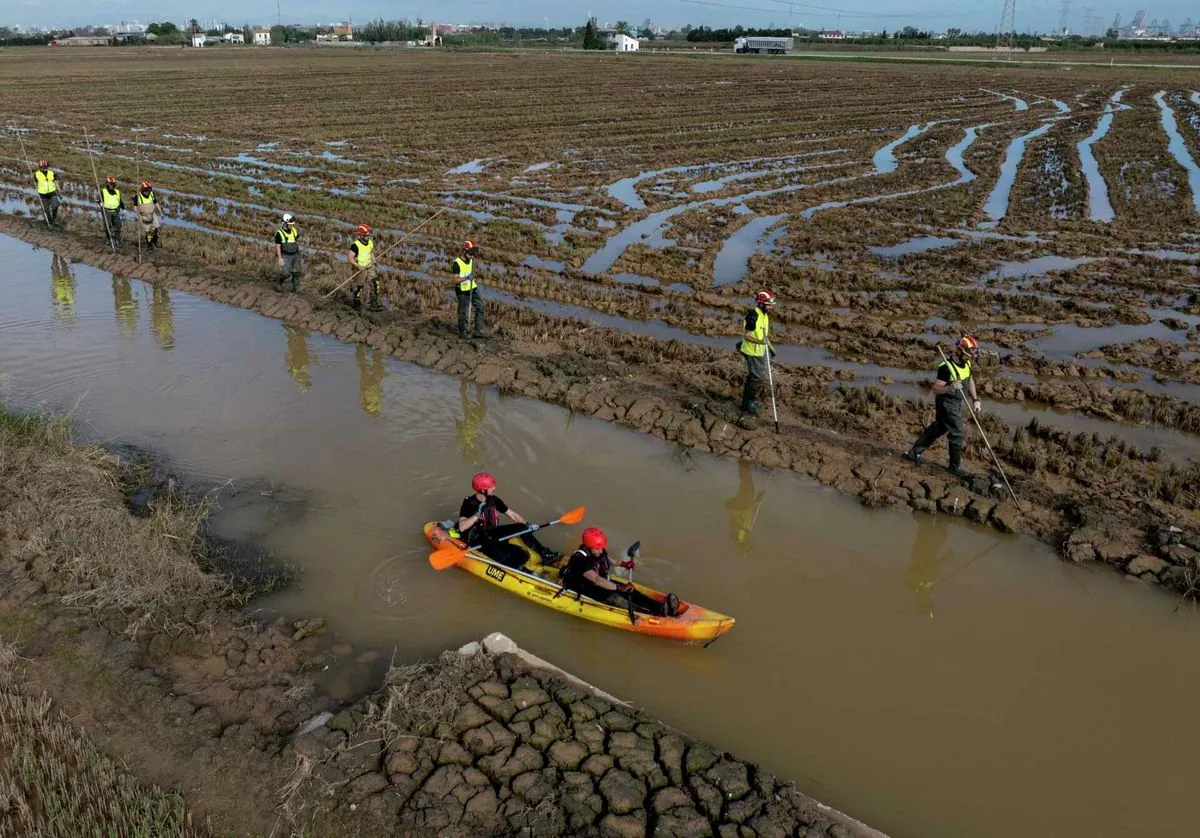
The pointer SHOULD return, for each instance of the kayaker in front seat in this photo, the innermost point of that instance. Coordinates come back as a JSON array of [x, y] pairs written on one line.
[[479, 526], [587, 573]]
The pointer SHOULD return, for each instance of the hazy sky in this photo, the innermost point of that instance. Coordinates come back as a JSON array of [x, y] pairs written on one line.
[[935, 15]]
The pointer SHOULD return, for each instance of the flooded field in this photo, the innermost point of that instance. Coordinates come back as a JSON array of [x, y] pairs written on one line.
[[896, 667]]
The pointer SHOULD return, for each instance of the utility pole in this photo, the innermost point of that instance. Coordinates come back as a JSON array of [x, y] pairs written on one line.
[[1006, 33], [278, 15], [1064, 14]]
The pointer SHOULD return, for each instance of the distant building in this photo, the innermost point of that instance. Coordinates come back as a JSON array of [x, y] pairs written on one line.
[[233, 38], [82, 41], [262, 37], [199, 39], [623, 43], [831, 35], [343, 31]]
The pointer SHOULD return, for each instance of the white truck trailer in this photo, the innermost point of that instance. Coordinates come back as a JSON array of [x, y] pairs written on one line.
[[758, 44]]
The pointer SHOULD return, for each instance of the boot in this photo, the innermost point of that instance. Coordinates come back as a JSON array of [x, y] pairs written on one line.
[[914, 456], [295, 285], [751, 407], [279, 284], [956, 464]]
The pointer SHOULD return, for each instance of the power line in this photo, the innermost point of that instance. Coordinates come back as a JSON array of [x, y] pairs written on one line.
[[777, 10]]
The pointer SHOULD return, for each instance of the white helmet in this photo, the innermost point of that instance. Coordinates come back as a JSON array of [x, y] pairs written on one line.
[[288, 218]]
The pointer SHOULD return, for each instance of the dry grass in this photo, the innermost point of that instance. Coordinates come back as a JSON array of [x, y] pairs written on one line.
[[54, 783], [65, 514], [421, 697]]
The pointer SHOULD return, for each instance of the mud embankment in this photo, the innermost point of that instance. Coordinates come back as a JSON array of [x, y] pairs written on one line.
[[847, 438], [195, 696]]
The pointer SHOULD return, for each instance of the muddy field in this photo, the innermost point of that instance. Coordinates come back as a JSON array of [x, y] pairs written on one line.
[[627, 208]]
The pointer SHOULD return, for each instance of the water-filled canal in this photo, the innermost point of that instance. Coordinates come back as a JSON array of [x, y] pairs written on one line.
[[928, 677]]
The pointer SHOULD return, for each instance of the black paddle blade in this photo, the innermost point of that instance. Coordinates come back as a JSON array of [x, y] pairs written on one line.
[[633, 549]]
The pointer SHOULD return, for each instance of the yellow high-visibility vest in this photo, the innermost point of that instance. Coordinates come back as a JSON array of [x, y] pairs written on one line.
[[363, 255], [466, 267], [143, 198], [761, 326], [288, 233], [45, 182], [112, 200], [958, 372]]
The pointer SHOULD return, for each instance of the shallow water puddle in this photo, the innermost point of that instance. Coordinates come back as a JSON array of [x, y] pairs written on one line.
[[1178, 147], [1099, 207]]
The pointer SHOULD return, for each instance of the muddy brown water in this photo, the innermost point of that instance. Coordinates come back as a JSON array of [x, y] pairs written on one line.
[[928, 677]]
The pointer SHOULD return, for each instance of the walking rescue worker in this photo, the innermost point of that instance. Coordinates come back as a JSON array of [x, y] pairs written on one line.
[[110, 200], [952, 374], [754, 346], [47, 189], [587, 573], [362, 257], [479, 526], [145, 204], [467, 290], [287, 252]]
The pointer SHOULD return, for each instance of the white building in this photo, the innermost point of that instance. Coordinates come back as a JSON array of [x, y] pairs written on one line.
[[198, 39], [831, 35], [233, 38], [262, 37], [623, 43]]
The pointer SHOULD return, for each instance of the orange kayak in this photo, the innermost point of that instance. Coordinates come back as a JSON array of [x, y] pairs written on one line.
[[539, 583]]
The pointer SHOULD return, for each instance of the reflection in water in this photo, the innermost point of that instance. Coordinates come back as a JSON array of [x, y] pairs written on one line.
[[125, 306], [927, 556], [471, 443], [162, 318], [62, 284], [743, 509], [370, 380], [297, 358]]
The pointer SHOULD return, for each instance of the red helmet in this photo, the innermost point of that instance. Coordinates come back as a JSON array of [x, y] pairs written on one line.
[[145, 185], [483, 481], [110, 180], [969, 345], [364, 230], [765, 297], [594, 538], [469, 245], [42, 164]]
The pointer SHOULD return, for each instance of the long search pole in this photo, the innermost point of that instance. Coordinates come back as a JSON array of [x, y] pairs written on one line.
[[137, 176], [29, 166], [983, 436], [96, 176], [389, 249], [771, 384]]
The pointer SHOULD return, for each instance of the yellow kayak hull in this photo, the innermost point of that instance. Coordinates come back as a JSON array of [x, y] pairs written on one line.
[[538, 583]]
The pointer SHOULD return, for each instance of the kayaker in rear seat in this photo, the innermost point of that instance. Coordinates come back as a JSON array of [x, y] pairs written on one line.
[[479, 526], [587, 573]]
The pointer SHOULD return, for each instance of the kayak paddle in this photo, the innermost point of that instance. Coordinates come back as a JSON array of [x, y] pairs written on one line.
[[632, 554], [450, 556]]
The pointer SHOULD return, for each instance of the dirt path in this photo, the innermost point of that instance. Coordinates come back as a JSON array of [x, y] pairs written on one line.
[[1092, 500]]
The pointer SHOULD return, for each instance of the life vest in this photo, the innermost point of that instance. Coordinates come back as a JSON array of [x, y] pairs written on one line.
[[762, 324], [362, 256], [574, 579], [466, 267], [143, 198], [288, 235], [45, 182], [112, 200]]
